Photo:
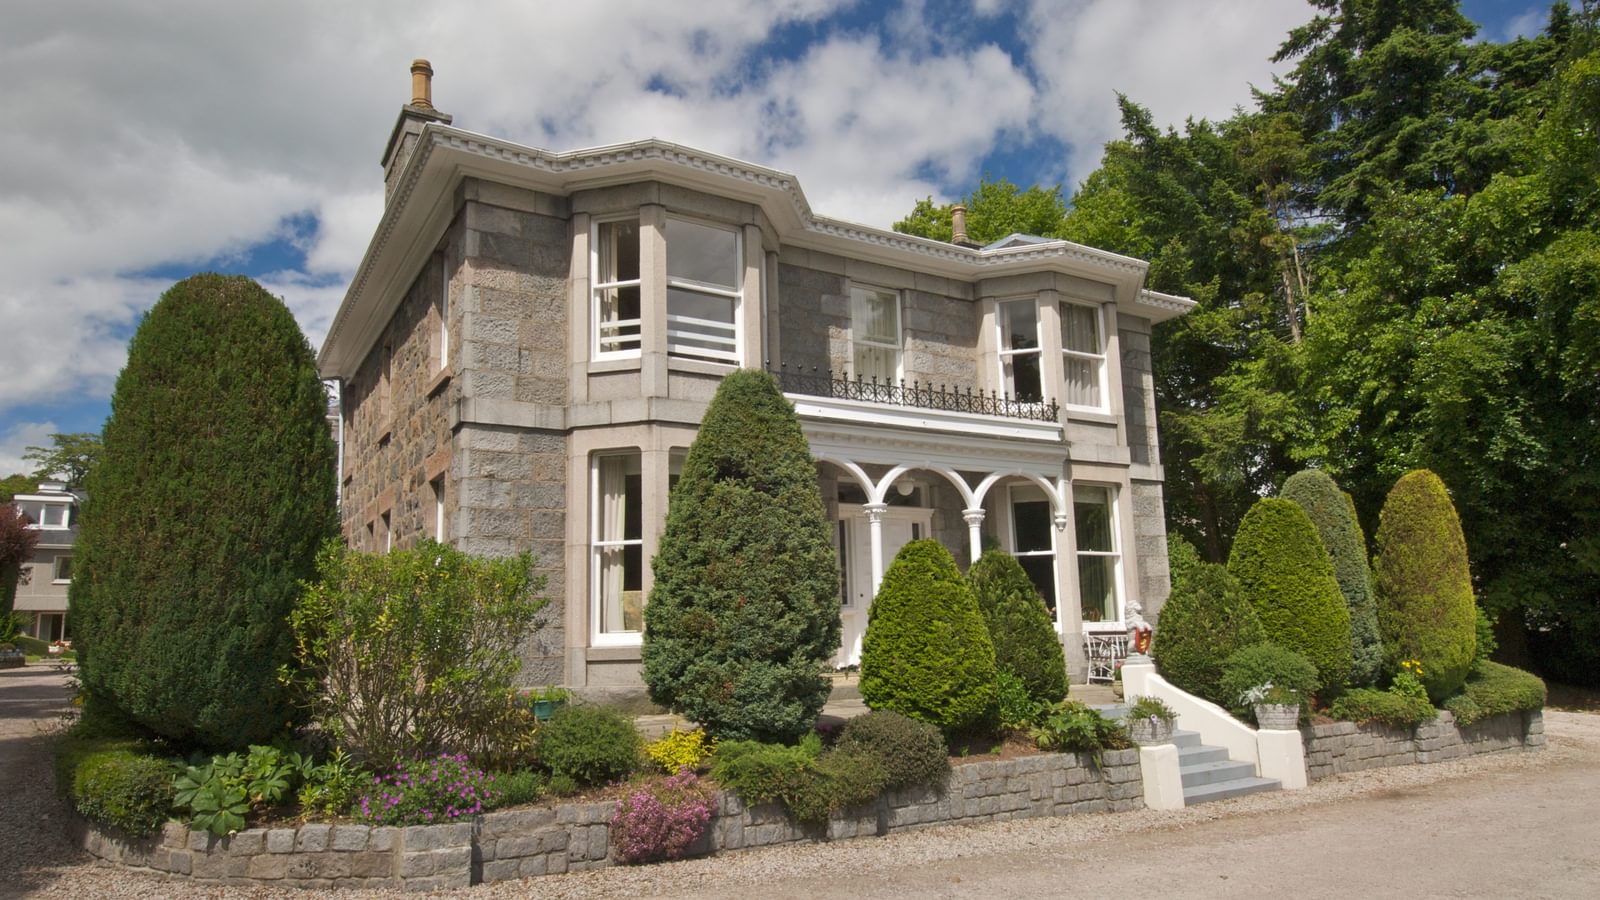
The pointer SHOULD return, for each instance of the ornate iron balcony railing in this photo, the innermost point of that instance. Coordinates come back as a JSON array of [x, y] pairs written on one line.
[[825, 383]]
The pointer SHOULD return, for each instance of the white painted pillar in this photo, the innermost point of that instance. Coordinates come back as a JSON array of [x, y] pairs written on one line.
[[1163, 781], [974, 519], [874, 513]]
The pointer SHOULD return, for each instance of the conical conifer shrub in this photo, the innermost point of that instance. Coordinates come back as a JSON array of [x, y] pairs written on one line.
[[1025, 641]]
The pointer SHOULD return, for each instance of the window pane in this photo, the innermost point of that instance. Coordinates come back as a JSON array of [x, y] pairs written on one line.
[[876, 363], [875, 316], [1097, 586], [1022, 377], [621, 565], [701, 325], [1078, 330], [621, 600], [619, 251], [619, 319], [702, 254], [1083, 381], [1042, 572], [63, 568], [1033, 525], [1092, 515], [1019, 325]]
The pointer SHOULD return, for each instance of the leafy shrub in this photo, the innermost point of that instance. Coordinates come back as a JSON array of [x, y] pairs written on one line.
[[765, 773], [1018, 711], [561, 785], [426, 792], [331, 787], [515, 788], [1024, 639], [1284, 572], [592, 745], [1334, 514], [744, 613], [217, 452], [1181, 557], [926, 653], [1148, 707], [661, 818], [220, 794], [1072, 727], [1425, 602], [909, 751], [1204, 621], [414, 652], [1493, 689], [1266, 664], [116, 784], [17, 541], [1487, 642], [840, 779], [678, 750], [1404, 705]]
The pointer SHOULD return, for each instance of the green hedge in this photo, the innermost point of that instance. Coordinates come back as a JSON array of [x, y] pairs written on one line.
[[1025, 641], [909, 751], [1426, 610], [1285, 573], [1493, 689], [1262, 664], [1388, 707], [115, 783], [1205, 621], [926, 653], [1334, 514]]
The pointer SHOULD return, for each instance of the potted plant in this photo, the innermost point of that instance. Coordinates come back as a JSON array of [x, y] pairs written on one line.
[[1276, 707], [545, 701], [1150, 721]]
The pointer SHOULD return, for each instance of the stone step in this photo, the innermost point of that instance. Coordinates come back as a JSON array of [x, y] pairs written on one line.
[[1181, 738], [1213, 772], [1194, 756], [1223, 790]]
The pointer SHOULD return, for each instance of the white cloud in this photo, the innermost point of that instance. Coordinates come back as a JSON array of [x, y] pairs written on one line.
[[1529, 23], [1192, 59], [15, 440]]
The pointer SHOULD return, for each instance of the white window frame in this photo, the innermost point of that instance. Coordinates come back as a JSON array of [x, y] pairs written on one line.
[[1008, 383], [598, 287], [388, 530], [1120, 600], [444, 313], [1097, 360], [55, 569], [597, 546], [438, 508], [1027, 489], [676, 324], [45, 507], [898, 347]]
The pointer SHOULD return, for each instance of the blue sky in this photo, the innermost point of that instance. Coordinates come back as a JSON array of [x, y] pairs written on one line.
[[149, 141]]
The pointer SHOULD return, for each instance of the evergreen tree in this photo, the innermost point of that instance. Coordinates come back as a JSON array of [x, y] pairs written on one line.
[[926, 653], [1425, 605], [1332, 511], [1286, 575], [205, 511], [1025, 641], [744, 613], [1205, 621]]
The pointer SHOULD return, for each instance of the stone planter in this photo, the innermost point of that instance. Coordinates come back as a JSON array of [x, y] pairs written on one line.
[[1150, 730], [12, 658], [1278, 716]]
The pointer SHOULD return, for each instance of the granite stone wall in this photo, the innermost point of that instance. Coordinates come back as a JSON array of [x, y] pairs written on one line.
[[510, 844], [1347, 747]]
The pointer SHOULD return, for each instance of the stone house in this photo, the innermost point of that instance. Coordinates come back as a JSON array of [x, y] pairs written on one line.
[[46, 574], [532, 338]]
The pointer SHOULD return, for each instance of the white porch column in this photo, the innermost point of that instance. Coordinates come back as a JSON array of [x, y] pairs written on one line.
[[874, 513], [974, 519]]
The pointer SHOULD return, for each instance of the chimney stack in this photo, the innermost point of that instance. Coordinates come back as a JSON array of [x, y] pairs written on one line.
[[408, 129], [958, 224]]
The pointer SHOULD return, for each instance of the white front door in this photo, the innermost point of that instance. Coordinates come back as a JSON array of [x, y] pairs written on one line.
[[901, 525]]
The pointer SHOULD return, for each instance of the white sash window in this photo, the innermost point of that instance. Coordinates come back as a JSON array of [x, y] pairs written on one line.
[[1083, 356], [614, 260], [1019, 351], [704, 278]]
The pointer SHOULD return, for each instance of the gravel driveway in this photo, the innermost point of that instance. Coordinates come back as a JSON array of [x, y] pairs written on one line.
[[1499, 825]]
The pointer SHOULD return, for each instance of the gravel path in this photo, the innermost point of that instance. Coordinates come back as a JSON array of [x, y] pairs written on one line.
[[1012, 857]]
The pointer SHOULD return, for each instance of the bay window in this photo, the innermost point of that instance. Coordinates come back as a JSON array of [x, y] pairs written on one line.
[[1094, 515], [1033, 540], [617, 542], [704, 276], [1083, 356], [1019, 351], [614, 261]]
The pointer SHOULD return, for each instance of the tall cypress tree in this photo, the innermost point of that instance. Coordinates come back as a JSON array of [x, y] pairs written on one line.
[[1334, 514], [204, 513], [744, 613]]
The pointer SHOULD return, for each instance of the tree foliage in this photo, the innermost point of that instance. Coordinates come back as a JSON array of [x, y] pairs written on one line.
[[926, 653], [214, 492], [17, 541], [1286, 575], [744, 613], [1425, 606], [1334, 514], [1025, 641], [995, 209], [69, 457]]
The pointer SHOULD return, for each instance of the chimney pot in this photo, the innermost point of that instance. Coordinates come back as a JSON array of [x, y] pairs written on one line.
[[421, 84], [958, 224]]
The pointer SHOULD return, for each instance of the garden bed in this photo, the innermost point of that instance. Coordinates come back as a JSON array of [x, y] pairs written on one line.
[[1338, 747], [519, 843]]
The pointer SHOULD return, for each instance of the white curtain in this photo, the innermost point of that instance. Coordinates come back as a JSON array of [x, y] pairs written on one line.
[[613, 514]]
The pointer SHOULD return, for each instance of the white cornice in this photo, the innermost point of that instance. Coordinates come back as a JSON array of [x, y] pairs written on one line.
[[419, 209]]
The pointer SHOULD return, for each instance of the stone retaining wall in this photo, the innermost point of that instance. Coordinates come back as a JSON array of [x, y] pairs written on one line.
[[509, 844], [1348, 747]]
